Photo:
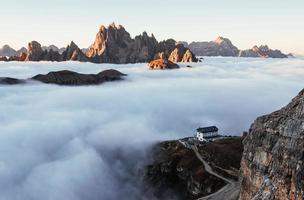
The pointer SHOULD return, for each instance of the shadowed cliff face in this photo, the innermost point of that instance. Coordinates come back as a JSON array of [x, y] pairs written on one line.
[[272, 163]]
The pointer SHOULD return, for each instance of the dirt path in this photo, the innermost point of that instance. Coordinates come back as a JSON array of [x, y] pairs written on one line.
[[228, 192]]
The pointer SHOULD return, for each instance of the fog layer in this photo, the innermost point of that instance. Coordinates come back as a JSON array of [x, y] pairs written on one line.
[[86, 143]]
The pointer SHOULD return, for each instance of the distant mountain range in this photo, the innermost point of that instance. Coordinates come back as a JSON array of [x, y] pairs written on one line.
[[113, 44], [6, 50], [223, 47]]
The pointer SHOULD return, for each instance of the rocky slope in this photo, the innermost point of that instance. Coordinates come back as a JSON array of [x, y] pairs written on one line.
[[224, 47], [273, 160], [175, 169], [70, 78]]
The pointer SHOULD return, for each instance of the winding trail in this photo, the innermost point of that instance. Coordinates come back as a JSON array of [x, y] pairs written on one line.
[[228, 192]]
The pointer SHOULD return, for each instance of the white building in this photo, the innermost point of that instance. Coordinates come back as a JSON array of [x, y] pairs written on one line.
[[207, 133]]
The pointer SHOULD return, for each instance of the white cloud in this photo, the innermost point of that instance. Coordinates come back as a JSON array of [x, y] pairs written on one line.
[[87, 142]]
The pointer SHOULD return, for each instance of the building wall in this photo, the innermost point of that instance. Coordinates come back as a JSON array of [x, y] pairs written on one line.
[[202, 136]]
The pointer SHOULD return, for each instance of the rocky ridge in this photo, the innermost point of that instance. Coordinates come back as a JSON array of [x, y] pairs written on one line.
[[113, 44], [223, 47], [69, 78]]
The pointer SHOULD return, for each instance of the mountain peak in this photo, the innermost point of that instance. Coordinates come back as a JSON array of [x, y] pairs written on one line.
[[115, 26], [219, 40]]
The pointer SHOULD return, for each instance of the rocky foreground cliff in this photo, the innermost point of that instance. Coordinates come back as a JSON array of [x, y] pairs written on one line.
[[273, 159]]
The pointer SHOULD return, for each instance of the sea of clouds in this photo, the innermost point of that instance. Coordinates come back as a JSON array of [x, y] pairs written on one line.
[[89, 142]]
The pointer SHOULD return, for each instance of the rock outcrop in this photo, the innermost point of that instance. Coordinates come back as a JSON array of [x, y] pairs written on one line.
[[273, 159], [182, 54], [69, 78], [34, 52], [10, 81], [66, 77], [160, 64], [74, 53], [262, 51]]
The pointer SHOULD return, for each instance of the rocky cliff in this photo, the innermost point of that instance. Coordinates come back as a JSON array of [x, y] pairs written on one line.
[[273, 159]]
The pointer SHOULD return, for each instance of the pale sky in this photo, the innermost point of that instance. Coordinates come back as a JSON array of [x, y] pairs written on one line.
[[278, 23]]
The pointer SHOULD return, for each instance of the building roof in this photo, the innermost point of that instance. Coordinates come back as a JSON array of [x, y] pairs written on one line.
[[207, 129]]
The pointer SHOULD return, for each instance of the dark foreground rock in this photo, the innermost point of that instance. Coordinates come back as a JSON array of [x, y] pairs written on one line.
[[71, 78], [175, 169], [273, 160]]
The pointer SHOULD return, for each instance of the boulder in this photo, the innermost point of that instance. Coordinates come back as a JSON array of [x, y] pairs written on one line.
[[162, 64]]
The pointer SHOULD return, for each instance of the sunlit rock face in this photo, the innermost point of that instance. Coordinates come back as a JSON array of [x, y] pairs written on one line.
[[182, 54], [162, 64], [74, 53], [34, 51], [272, 163], [115, 45]]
